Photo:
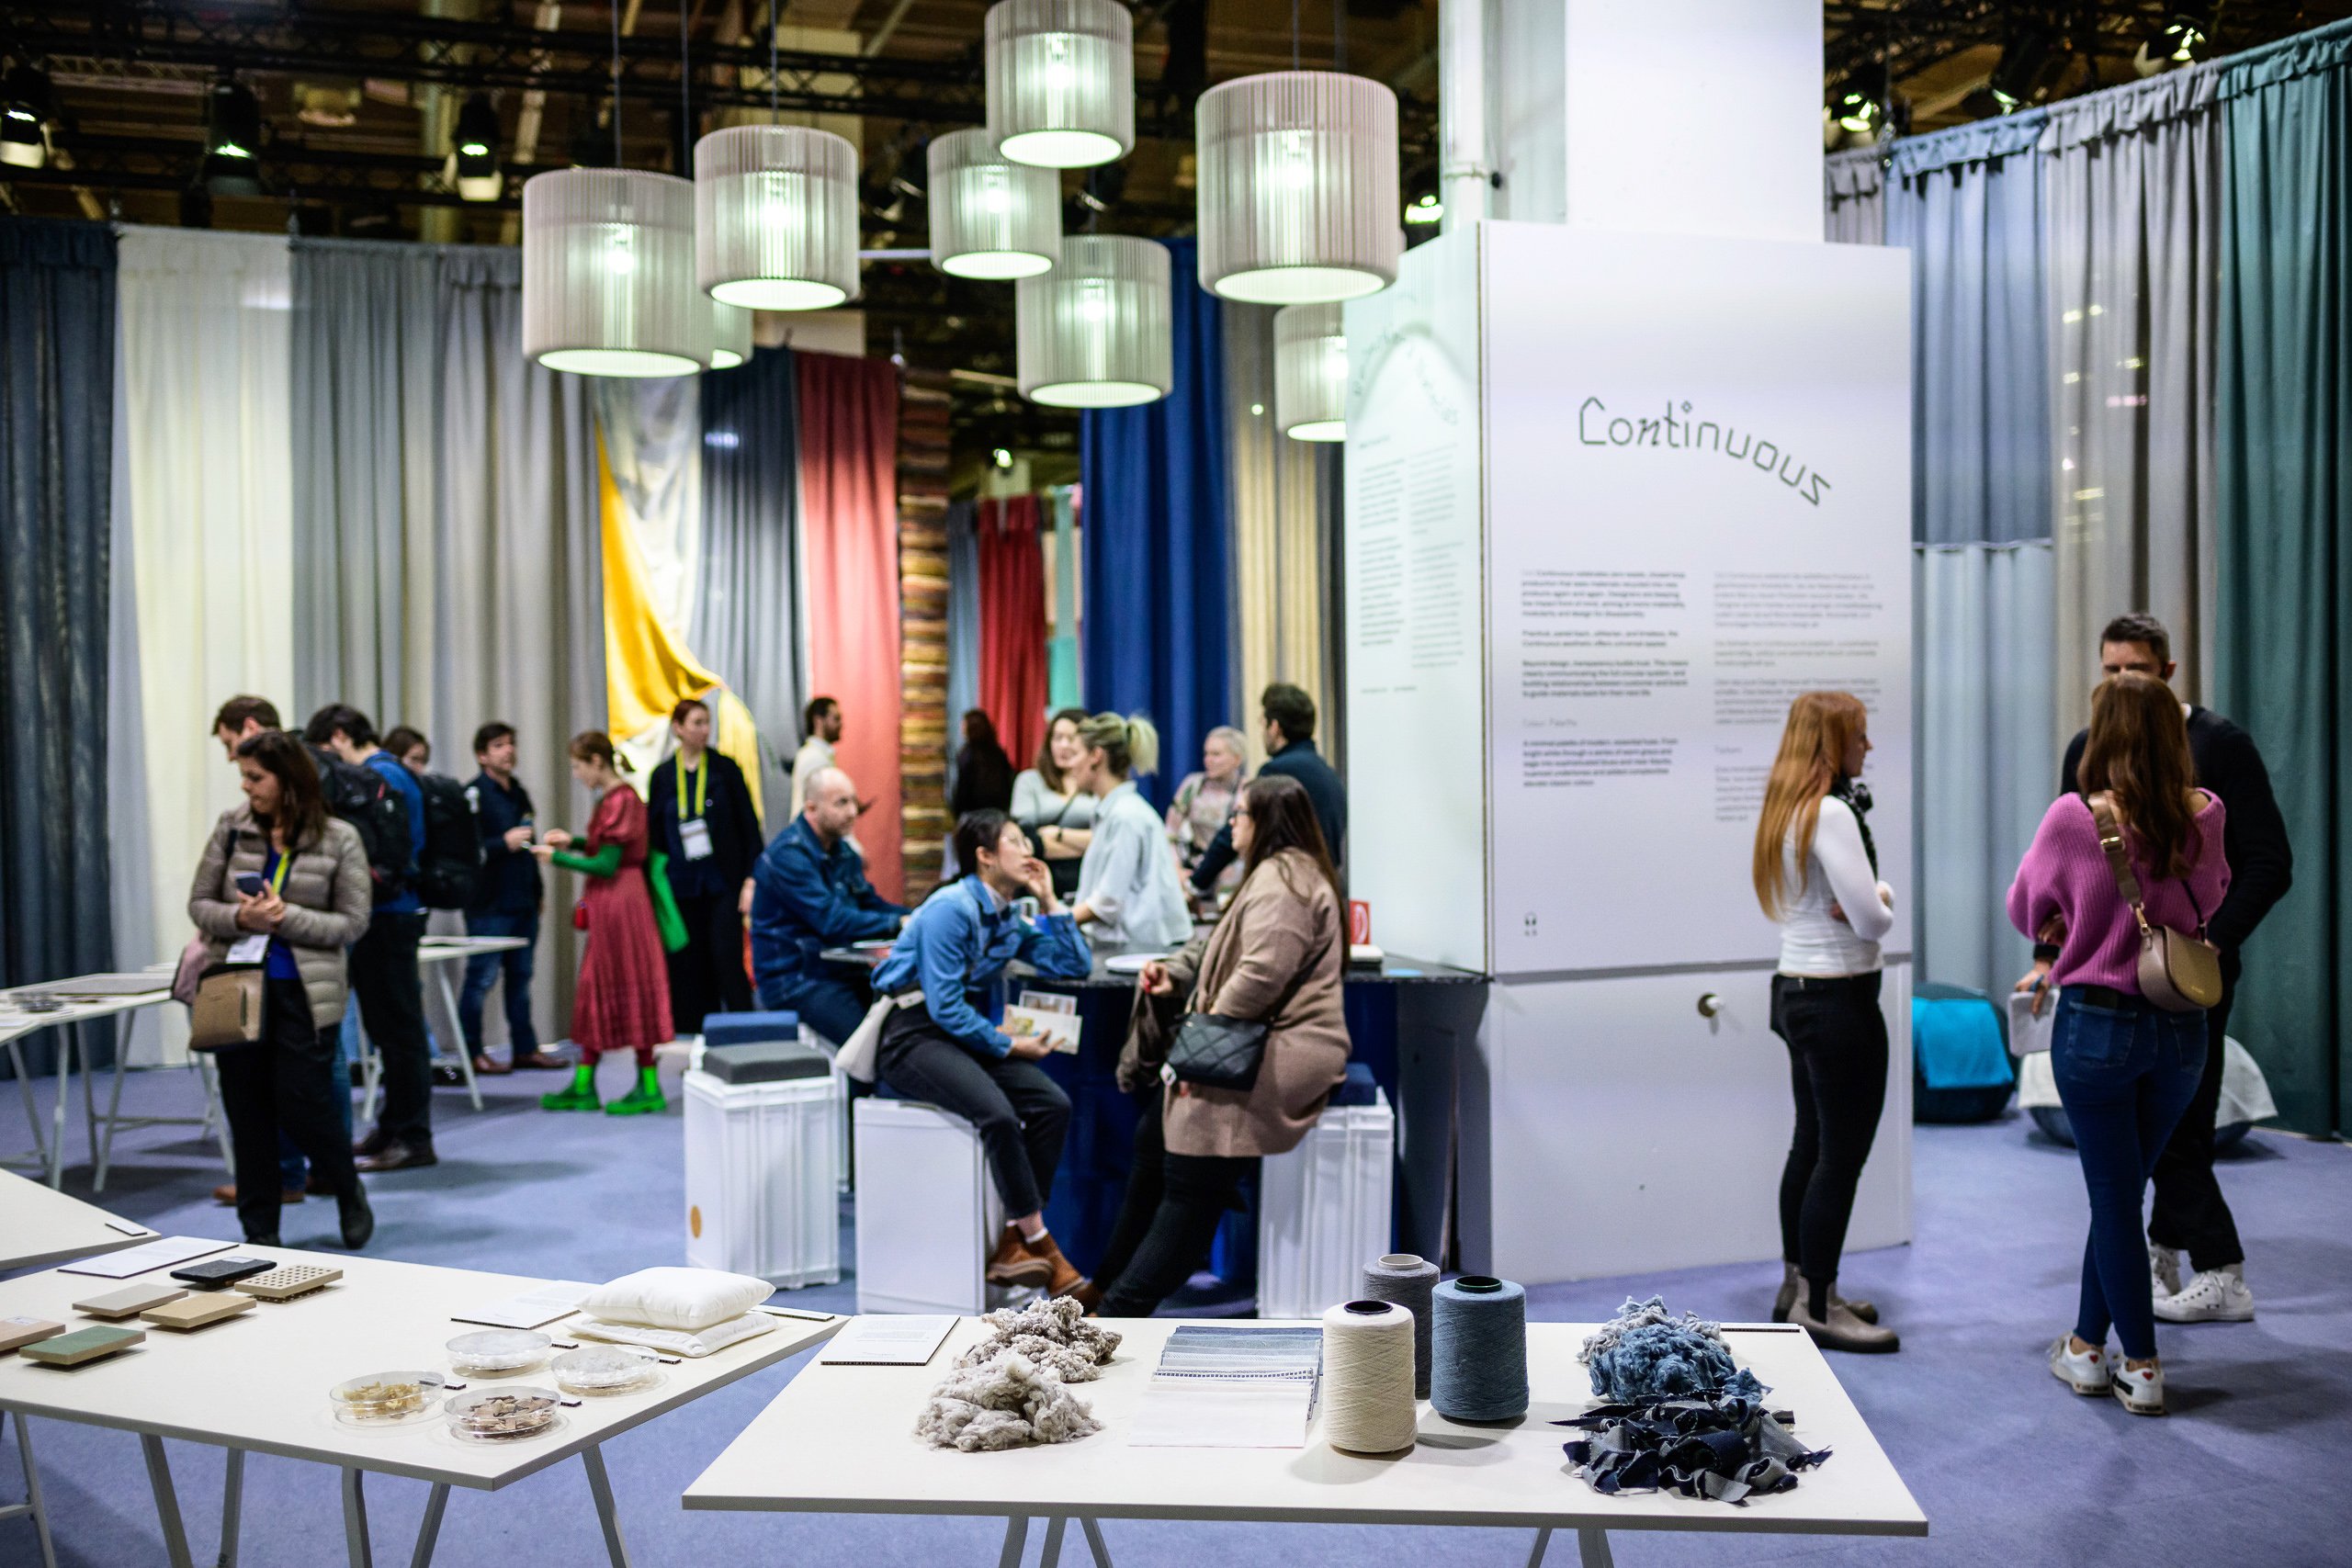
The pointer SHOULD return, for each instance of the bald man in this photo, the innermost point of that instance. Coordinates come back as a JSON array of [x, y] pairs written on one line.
[[809, 893]]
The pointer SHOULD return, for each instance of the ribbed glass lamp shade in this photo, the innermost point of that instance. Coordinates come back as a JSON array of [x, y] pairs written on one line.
[[731, 335], [608, 273], [990, 216], [1311, 373], [775, 217], [1061, 78], [1094, 333], [1298, 187]]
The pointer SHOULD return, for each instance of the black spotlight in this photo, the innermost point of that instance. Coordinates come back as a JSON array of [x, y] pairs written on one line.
[[474, 148], [2025, 68], [233, 138], [1859, 105], [24, 119]]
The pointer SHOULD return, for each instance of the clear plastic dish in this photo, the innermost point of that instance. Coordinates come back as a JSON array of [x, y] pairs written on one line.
[[497, 1352], [384, 1399], [605, 1369], [502, 1415]]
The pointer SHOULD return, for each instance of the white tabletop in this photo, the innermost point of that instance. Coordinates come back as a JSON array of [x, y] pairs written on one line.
[[14, 1021], [841, 1439], [441, 949], [38, 1226], [259, 1380]]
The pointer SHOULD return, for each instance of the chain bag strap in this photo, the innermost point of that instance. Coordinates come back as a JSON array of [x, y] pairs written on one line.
[[2178, 972]]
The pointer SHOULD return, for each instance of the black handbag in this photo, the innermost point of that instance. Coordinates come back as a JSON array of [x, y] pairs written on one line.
[[1217, 1051]]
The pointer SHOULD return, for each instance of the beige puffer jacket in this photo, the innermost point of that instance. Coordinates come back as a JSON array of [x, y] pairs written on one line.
[[328, 900]]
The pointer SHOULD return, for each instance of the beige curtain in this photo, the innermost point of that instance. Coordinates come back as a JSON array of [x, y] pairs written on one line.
[[2132, 187], [1280, 587]]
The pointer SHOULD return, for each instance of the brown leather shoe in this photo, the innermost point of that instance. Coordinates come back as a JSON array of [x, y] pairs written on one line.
[[400, 1156], [225, 1193], [1017, 1263], [1088, 1295], [541, 1061], [1843, 1330], [1066, 1276], [375, 1143], [488, 1067]]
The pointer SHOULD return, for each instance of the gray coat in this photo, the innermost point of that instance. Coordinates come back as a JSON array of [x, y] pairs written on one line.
[[328, 900]]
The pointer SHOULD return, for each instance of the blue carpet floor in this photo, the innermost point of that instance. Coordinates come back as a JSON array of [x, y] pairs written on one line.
[[2010, 1468]]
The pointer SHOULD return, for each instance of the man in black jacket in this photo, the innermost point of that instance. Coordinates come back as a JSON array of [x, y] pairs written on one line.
[[508, 899], [1289, 716], [2190, 1212]]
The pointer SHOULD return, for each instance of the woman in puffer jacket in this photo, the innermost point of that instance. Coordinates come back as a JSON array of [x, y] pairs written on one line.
[[312, 903]]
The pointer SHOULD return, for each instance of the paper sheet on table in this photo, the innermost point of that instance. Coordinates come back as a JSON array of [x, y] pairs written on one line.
[[891, 1341], [164, 1254], [537, 1306], [1242, 1387]]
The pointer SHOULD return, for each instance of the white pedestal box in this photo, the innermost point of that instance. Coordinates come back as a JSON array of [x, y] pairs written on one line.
[[1323, 1211], [926, 1209], [761, 1195]]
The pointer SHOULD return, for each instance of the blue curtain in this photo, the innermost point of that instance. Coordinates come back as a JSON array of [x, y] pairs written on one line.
[[963, 630], [57, 327], [2284, 609], [1154, 509]]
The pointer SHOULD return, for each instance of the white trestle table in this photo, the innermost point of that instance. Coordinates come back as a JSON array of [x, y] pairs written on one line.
[[257, 1383], [39, 1227], [438, 953], [841, 1440], [15, 1022]]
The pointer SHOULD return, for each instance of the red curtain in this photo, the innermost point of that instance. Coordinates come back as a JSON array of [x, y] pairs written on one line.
[[849, 530], [1013, 625]]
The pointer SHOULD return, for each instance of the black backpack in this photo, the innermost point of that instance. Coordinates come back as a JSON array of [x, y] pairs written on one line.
[[360, 795], [450, 872]]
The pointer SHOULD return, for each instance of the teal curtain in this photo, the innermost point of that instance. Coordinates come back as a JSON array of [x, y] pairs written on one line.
[[2284, 609]]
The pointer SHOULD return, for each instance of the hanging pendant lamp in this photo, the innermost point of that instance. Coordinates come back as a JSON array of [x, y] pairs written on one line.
[[775, 217], [1094, 333], [1061, 81], [990, 217], [1298, 187], [731, 334], [1311, 373], [608, 273]]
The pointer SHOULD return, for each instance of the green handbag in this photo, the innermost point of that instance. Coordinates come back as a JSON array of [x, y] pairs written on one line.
[[666, 918]]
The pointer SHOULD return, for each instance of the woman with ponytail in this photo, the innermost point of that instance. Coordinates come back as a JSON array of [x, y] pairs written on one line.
[[1127, 890]]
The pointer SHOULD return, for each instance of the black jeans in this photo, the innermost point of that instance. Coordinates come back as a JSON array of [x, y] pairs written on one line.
[[707, 974], [1836, 1040], [1169, 1219], [1021, 1114], [284, 1080], [2190, 1211], [391, 1008]]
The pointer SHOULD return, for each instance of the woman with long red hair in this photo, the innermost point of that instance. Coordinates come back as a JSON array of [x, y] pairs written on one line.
[[1815, 873]]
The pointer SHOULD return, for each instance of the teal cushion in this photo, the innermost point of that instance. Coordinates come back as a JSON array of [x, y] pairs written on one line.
[[1957, 1044]]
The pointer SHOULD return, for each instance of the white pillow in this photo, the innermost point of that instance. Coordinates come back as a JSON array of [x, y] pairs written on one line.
[[687, 1299]]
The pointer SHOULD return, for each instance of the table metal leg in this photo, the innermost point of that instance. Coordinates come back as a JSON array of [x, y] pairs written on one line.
[[102, 1153], [601, 1485], [1016, 1537], [90, 1097], [57, 1112], [1592, 1548], [25, 1093], [1542, 1542], [355, 1520], [1051, 1556], [465, 1053], [1094, 1541], [372, 1073], [215, 1115], [32, 1502], [167, 1502], [233, 1506], [430, 1530]]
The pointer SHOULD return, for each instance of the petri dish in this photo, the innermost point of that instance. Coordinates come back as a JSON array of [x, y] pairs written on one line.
[[605, 1369], [497, 1352], [502, 1415], [384, 1399]]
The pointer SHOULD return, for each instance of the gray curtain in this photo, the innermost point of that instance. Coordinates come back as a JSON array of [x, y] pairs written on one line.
[[1853, 196], [57, 327], [745, 624], [365, 395], [963, 630], [2133, 184]]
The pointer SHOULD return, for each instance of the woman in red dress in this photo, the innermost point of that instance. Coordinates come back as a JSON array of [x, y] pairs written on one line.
[[623, 1001]]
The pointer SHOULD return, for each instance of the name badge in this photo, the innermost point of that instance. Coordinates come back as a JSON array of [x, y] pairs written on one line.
[[695, 834], [252, 949]]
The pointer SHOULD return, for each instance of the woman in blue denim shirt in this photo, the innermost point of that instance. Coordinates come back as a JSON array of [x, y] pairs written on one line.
[[941, 1048]]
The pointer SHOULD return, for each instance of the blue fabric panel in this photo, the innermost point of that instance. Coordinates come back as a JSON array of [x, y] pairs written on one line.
[[1958, 1044], [1155, 516], [750, 1028]]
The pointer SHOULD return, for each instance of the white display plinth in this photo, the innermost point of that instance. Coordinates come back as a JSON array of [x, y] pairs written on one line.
[[926, 1209], [762, 1198], [1323, 1211]]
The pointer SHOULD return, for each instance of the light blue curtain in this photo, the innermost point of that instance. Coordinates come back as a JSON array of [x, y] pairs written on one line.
[[963, 630]]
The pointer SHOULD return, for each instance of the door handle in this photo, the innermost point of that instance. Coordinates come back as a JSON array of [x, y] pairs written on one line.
[[1710, 1004]]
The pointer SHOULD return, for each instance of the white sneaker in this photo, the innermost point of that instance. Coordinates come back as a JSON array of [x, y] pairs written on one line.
[[2089, 1372], [2212, 1295], [2142, 1392], [2164, 1270]]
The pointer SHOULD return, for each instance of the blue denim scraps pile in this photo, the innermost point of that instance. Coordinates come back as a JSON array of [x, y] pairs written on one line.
[[1724, 1447]]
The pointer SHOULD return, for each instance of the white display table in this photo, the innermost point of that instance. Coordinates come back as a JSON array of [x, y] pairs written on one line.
[[49, 1153], [258, 1382], [38, 1226], [438, 954], [841, 1440]]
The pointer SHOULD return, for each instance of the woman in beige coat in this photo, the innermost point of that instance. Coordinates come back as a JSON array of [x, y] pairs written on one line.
[[1276, 957], [284, 885]]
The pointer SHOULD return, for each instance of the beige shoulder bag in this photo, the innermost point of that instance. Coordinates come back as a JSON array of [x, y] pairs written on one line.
[[227, 1007], [2179, 973]]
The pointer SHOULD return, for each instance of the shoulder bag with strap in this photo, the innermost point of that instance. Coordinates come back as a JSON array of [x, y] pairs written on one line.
[[2178, 972], [1217, 1051], [227, 1008]]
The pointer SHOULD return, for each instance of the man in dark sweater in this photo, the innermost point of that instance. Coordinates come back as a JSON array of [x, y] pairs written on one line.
[[507, 901], [2190, 1212], [1289, 716]]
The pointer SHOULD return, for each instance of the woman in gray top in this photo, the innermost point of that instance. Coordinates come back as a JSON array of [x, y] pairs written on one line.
[[1053, 812], [1128, 889]]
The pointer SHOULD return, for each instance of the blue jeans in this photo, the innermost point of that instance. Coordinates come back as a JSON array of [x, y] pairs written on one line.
[[832, 1008], [482, 971], [2125, 1073]]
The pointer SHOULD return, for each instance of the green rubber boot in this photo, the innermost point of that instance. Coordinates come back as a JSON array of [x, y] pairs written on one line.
[[646, 1096], [581, 1096]]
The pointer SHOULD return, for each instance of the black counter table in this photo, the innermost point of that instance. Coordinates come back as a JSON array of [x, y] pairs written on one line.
[[1413, 1023]]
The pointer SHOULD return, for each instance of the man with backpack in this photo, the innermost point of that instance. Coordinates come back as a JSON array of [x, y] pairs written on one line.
[[368, 788]]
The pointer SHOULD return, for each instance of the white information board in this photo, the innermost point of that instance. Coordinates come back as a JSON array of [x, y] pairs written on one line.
[[1698, 507]]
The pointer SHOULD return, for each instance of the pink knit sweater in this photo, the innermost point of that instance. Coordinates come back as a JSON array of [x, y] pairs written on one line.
[[2065, 873]]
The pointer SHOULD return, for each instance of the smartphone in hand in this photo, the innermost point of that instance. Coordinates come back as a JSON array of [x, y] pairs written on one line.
[[250, 883]]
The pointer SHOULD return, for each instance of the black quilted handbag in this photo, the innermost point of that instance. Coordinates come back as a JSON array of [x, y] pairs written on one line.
[[1217, 1051]]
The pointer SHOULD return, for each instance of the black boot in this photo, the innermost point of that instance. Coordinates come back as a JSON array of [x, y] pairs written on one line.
[[269, 1240], [359, 1219]]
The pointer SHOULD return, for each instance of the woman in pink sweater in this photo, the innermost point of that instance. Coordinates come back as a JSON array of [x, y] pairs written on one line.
[[2125, 1068]]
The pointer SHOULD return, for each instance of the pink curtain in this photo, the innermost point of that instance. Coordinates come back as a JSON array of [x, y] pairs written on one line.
[[1013, 624], [849, 522]]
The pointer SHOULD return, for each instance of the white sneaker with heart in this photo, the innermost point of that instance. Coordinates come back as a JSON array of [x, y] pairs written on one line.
[[2088, 1373], [2142, 1390], [2212, 1295], [2164, 1270]]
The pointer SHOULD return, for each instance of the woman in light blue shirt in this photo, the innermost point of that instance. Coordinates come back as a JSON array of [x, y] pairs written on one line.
[[1127, 888]]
